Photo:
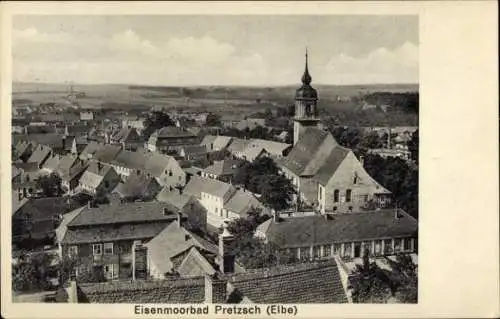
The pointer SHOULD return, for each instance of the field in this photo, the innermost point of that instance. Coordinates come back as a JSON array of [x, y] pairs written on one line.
[[223, 100]]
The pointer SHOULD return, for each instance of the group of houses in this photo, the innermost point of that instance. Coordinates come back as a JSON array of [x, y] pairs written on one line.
[[163, 234]]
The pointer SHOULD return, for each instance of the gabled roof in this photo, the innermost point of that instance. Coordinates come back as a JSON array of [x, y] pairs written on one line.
[[331, 164], [338, 228], [63, 226], [272, 147], [110, 232], [173, 131], [214, 187], [194, 149], [318, 282], [195, 264], [173, 240], [52, 163], [252, 152], [138, 185], [224, 167], [39, 154], [125, 135], [50, 139], [116, 213], [131, 160], [91, 148], [178, 290], [94, 174], [107, 153], [174, 198], [241, 202], [304, 151], [238, 145], [208, 139], [156, 163]]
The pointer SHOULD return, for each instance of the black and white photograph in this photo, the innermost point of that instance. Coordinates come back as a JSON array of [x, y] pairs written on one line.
[[224, 160]]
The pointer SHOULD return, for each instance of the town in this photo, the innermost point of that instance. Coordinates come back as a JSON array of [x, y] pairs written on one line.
[[185, 205]]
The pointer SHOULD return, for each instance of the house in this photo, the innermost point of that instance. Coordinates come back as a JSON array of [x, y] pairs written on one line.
[[222, 201], [22, 151], [329, 175], [54, 141], [87, 116], [24, 184], [106, 153], [128, 138], [174, 247], [138, 186], [275, 149], [77, 144], [107, 236], [185, 204], [170, 139], [40, 154], [391, 152], [222, 170], [381, 232], [77, 130], [193, 152], [135, 123], [35, 219], [71, 169], [98, 178], [214, 143], [252, 152], [90, 150], [278, 285], [250, 123]]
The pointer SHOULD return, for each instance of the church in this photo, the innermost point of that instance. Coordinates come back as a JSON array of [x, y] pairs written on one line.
[[326, 175]]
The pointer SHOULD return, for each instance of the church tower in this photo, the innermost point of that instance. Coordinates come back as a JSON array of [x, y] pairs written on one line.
[[306, 99]]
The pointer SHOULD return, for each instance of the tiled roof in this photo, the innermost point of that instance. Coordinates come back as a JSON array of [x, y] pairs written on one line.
[[275, 148], [156, 163], [241, 202], [338, 228], [195, 264], [238, 145], [94, 174], [172, 241], [123, 213], [179, 290], [214, 187], [138, 185], [63, 225], [91, 148], [50, 139], [303, 283], [194, 149], [332, 162], [252, 152], [129, 159], [208, 139], [39, 154], [224, 167], [52, 163], [303, 152], [126, 135], [173, 197], [107, 153], [110, 232], [173, 131], [222, 141]]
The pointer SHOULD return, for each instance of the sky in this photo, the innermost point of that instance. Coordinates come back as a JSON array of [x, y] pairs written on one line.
[[214, 50]]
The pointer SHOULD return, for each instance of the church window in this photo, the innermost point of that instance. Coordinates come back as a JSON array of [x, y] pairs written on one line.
[[348, 194], [336, 196]]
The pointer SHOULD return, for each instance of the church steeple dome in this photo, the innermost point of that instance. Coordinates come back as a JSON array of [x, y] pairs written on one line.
[[306, 77], [306, 91]]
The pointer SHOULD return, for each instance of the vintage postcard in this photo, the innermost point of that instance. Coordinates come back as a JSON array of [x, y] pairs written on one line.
[[236, 160]]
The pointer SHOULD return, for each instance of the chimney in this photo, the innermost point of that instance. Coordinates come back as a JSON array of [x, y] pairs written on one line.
[[215, 289], [226, 257], [362, 159], [72, 291], [179, 219]]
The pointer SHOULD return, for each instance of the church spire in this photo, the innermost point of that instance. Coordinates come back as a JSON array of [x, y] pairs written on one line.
[[306, 78]]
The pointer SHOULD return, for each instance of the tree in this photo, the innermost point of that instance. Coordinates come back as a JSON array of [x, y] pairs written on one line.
[[413, 146], [155, 121], [369, 284], [30, 273], [407, 285], [213, 120], [49, 184]]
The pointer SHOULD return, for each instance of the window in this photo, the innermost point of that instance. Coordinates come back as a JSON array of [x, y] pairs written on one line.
[[355, 179], [109, 272], [378, 247], [334, 208], [317, 251], [73, 251], [170, 173], [348, 194], [108, 248], [407, 244], [336, 249], [305, 253], [347, 250], [398, 245], [336, 196], [97, 249], [327, 250], [388, 246], [106, 184]]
